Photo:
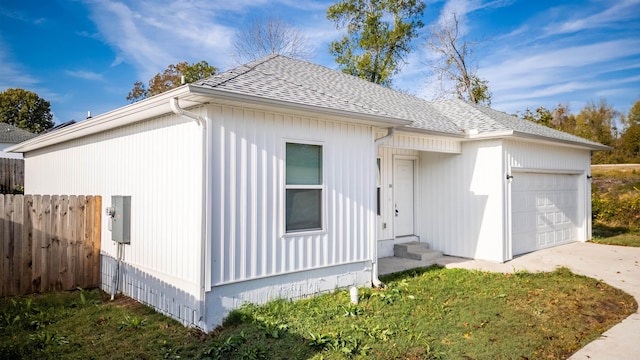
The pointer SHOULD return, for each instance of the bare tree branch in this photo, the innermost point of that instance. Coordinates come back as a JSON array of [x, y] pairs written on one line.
[[266, 36], [452, 63]]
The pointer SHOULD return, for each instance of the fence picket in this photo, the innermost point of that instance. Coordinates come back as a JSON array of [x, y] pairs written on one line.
[[11, 175], [14, 248], [4, 248], [49, 243]]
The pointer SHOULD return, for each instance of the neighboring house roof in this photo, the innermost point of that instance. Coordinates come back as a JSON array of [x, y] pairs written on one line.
[[10, 134]]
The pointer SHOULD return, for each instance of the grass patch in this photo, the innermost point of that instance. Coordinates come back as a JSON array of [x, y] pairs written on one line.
[[616, 205], [615, 197], [86, 325], [422, 314], [622, 236]]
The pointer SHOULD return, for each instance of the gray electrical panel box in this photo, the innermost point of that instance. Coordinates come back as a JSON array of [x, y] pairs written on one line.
[[120, 218]]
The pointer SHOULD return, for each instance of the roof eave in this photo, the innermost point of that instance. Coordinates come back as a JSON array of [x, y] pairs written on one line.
[[377, 120], [138, 111], [411, 129], [489, 135], [578, 144]]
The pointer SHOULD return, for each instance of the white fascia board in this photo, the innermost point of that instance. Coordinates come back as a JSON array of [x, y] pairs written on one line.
[[435, 134], [562, 142], [139, 111], [240, 99], [535, 138], [489, 135]]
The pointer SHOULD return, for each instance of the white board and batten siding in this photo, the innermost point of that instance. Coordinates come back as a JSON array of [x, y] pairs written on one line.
[[249, 240], [158, 163], [253, 258], [402, 146], [461, 201], [549, 197]]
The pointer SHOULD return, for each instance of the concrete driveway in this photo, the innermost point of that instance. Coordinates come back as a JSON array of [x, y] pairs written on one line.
[[618, 266]]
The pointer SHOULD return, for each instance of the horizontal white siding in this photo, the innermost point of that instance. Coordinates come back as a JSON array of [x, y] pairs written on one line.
[[421, 142], [460, 208], [247, 219], [158, 163]]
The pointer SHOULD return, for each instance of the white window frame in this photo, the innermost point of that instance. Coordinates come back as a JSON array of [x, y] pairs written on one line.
[[320, 187]]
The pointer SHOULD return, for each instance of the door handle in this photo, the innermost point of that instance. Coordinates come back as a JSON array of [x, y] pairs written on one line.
[[396, 209]]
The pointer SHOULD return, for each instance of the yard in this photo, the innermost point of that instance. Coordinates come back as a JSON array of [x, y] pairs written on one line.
[[422, 314], [616, 204]]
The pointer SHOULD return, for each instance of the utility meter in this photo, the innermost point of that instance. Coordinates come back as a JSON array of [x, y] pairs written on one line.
[[119, 214]]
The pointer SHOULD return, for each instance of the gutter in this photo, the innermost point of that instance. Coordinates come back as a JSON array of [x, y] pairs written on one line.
[[375, 280], [201, 121], [557, 141], [132, 113]]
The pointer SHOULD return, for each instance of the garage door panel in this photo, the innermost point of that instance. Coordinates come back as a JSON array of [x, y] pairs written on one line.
[[544, 211]]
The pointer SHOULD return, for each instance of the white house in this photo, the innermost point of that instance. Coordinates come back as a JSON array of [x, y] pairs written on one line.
[[284, 179]]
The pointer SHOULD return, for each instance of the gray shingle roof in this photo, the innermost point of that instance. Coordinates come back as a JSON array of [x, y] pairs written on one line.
[[294, 81], [280, 78], [10, 134], [487, 120]]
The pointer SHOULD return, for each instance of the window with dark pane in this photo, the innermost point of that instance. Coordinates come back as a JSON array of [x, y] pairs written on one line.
[[303, 187]]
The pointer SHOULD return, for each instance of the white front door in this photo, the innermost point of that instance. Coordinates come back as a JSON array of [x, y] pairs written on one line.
[[403, 197]]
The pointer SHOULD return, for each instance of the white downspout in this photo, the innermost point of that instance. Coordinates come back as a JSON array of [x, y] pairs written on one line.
[[175, 107], [374, 260]]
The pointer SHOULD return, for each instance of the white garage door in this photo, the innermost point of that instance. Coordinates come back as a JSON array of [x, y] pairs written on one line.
[[544, 211]]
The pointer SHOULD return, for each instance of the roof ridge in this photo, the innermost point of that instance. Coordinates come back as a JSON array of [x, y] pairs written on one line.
[[319, 90], [244, 69]]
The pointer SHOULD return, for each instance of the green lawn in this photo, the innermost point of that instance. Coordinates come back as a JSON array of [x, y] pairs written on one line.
[[422, 314], [622, 236]]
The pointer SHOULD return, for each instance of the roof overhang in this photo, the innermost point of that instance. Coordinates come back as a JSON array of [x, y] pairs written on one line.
[[507, 134], [265, 103], [587, 145], [441, 134], [142, 110]]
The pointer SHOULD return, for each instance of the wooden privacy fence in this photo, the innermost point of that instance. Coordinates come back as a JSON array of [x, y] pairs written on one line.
[[11, 175], [49, 243]]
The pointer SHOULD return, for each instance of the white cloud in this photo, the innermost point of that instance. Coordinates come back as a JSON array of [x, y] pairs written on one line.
[[150, 35], [618, 12], [538, 66], [463, 7], [86, 75]]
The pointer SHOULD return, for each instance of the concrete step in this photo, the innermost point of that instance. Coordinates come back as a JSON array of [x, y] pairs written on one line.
[[416, 251]]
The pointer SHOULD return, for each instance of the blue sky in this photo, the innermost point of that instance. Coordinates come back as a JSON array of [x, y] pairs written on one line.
[[85, 55]]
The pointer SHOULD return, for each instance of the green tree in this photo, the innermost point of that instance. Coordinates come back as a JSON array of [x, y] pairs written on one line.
[[541, 116], [453, 62], [379, 36], [596, 122], [630, 138], [171, 78], [558, 118], [563, 120], [26, 110]]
